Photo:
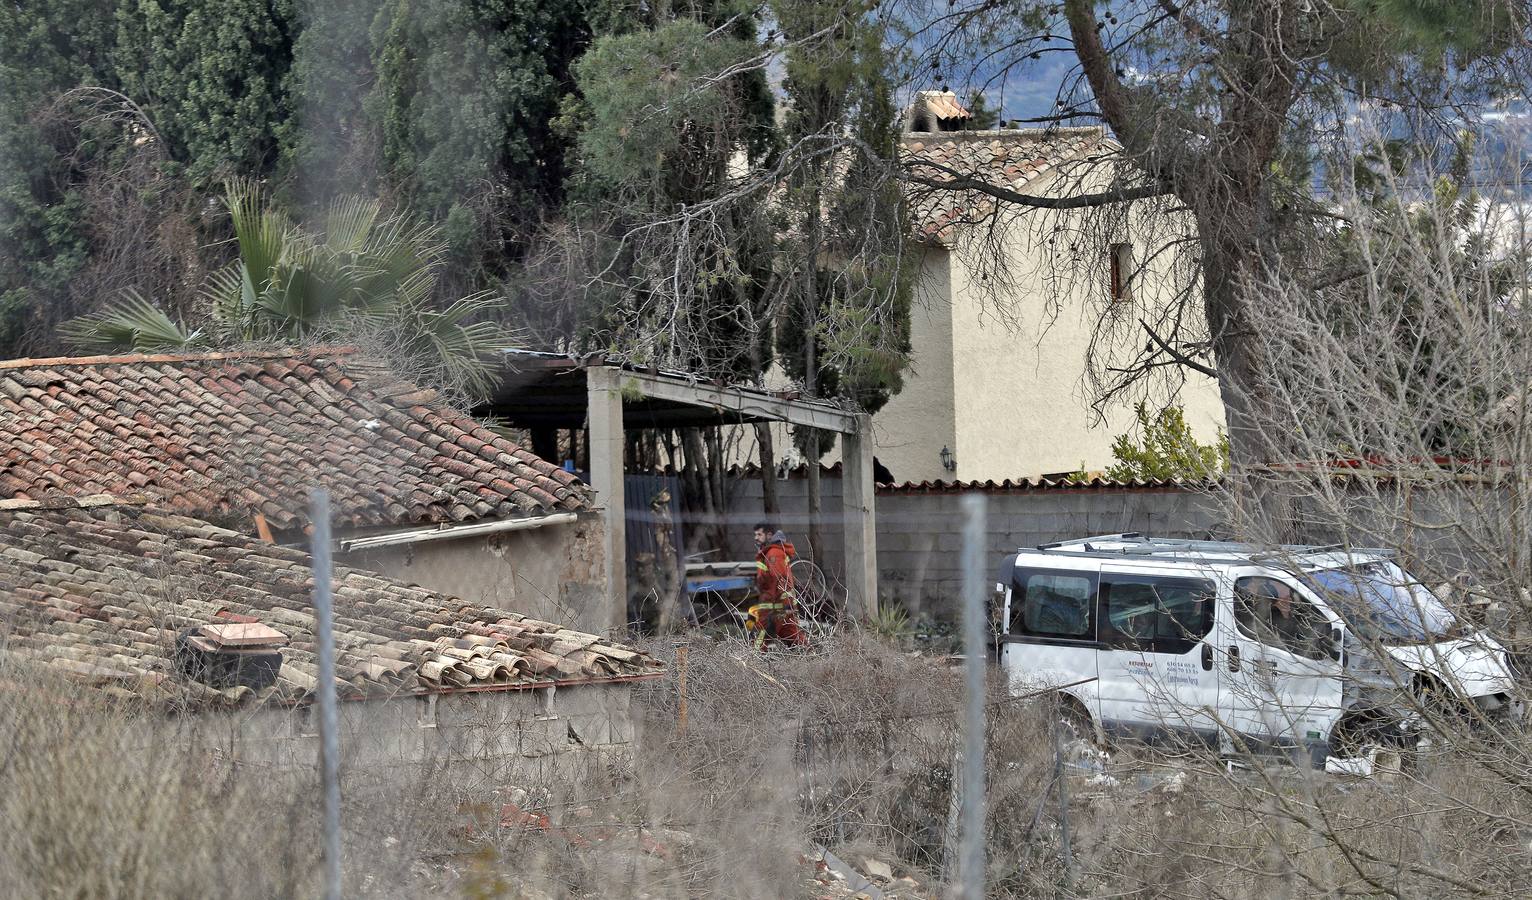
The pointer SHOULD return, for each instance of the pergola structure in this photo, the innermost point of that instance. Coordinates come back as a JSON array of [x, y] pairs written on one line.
[[543, 392]]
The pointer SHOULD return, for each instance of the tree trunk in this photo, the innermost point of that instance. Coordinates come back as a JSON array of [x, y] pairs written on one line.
[[1230, 258], [811, 442], [1235, 348], [816, 522], [771, 505], [1226, 184], [700, 491], [718, 482], [811, 368]]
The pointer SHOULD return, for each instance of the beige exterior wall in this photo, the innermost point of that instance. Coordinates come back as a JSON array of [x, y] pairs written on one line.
[[1021, 401], [910, 432], [554, 573], [1001, 380]]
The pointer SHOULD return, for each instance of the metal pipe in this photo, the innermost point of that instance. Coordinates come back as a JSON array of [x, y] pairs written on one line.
[[329, 738], [453, 532], [1063, 788], [681, 652], [974, 543]]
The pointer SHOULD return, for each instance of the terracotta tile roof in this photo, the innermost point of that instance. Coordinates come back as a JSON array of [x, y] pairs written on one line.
[[1010, 158], [227, 435], [101, 591], [1006, 486], [943, 105], [1034, 485]]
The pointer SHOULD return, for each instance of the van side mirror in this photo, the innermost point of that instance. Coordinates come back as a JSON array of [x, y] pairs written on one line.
[[1337, 641]]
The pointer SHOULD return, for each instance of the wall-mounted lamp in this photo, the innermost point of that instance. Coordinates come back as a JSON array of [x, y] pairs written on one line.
[[949, 462]]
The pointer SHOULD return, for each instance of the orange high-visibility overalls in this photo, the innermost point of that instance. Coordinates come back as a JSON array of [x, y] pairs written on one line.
[[774, 614]]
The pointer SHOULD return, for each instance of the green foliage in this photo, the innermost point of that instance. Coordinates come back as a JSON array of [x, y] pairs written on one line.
[[1167, 449], [1429, 31], [360, 274], [335, 146], [662, 127], [44, 49], [985, 117], [845, 331], [133, 324], [465, 99], [211, 78], [638, 90], [471, 114], [214, 77], [892, 623]]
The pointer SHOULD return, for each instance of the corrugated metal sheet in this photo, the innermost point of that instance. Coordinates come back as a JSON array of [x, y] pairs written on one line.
[[639, 491]]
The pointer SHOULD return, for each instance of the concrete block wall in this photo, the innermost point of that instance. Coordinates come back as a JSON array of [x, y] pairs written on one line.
[[920, 534], [1442, 530]]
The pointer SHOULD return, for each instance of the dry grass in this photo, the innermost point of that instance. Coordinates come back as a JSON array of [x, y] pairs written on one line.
[[850, 746]]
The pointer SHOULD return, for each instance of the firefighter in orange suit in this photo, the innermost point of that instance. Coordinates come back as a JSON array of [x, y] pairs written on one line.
[[774, 614]]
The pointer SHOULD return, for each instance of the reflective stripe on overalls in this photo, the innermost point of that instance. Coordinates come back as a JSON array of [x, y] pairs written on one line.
[[758, 623]]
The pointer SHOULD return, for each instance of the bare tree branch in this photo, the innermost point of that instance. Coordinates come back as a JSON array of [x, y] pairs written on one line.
[[1176, 355]]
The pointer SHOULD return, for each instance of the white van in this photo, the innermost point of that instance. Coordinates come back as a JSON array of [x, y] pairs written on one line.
[[1292, 649]]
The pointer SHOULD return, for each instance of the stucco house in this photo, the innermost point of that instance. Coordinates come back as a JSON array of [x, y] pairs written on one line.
[[185, 616], [419, 492], [996, 387]]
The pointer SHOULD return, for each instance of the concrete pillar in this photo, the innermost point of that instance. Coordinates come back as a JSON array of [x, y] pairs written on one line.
[[857, 512], [606, 442]]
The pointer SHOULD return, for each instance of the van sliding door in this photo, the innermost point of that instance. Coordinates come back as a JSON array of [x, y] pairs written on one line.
[[1155, 666]]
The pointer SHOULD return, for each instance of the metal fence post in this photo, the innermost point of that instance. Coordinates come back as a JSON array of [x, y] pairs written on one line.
[[974, 651], [329, 739]]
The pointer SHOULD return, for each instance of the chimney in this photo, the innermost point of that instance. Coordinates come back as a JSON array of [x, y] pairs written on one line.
[[231, 654], [936, 111]]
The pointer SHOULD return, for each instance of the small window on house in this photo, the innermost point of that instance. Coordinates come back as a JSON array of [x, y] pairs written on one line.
[[1120, 260], [921, 123]]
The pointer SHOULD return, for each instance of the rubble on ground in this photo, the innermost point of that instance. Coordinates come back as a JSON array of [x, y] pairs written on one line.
[[872, 878]]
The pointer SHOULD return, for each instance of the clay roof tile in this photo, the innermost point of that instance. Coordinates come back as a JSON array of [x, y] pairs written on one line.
[[213, 433]]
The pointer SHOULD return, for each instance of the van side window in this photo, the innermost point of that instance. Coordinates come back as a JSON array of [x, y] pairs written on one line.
[[1160, 615], [1270, 611], [1054, 605]]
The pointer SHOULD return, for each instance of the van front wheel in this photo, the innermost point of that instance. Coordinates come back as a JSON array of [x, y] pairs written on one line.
[[1366, 735], [1075, 724]]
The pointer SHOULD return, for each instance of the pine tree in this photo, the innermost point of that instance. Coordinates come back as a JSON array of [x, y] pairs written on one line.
[[465, 98], [43, 51], [213, 76]]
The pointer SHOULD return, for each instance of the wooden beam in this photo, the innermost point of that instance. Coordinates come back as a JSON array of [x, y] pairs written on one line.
[[737, 401]]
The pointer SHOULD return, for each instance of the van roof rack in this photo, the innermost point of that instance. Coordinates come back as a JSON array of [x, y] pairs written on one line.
[[1135, 544]]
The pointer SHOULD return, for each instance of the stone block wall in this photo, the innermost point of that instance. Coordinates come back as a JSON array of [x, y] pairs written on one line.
[[517, 737]]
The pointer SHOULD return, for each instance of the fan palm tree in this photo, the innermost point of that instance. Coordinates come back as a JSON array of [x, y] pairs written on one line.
[[361, 274]]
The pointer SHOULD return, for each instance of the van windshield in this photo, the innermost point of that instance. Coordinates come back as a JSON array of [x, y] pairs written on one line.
[[1383, 603]]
